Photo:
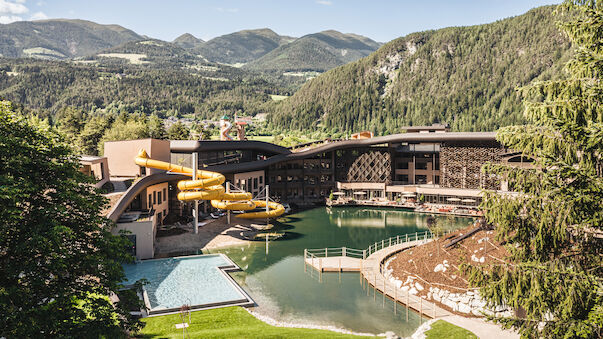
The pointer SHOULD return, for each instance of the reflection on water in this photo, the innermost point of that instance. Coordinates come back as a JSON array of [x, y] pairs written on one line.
[[283, 291]]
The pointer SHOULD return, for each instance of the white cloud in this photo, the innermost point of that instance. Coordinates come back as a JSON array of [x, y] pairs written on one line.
[[7, 19], [39, 16], [41, 3], [324, 2], [228, 10], [12, 8]]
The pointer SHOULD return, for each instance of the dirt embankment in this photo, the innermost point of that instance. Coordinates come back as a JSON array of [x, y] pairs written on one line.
[[433, 271]]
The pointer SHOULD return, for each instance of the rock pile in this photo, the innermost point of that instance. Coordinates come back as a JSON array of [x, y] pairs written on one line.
[[469, 302]]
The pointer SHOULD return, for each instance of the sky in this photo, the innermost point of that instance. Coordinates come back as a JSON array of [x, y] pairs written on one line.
[[380, 20]]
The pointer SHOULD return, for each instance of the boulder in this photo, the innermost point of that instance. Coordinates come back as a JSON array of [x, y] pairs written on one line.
[[464, 308], [439, 268], [450, 304], [419, 287]]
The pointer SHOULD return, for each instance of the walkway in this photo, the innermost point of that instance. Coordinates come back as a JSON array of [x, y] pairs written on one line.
[[370, 262]]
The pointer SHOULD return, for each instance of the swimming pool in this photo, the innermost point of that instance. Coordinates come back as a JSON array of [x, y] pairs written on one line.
[[200, 281]]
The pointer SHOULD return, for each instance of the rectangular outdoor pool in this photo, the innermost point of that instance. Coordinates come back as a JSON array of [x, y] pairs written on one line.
[[199, 281]]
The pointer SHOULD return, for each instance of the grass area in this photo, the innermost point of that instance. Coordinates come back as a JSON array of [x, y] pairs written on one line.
[[265, 138], [229, 322], [445, 330], [277, 97]]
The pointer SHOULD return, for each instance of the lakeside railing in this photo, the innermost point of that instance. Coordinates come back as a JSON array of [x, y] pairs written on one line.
[[365, 253]]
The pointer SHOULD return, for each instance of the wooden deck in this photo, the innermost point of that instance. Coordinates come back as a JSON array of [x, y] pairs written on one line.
[[335, 264]]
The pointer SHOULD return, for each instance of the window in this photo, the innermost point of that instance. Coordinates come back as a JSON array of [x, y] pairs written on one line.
[[421, 165], [261, 180], [150, 201], [402, 165], [143, 171], [159, 197], [164, 194], [420, 179], [102, 168], [255, 183], [154, 197], [403, 178]]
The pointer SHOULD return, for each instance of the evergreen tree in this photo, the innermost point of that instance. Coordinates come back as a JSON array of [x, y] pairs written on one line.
[[87, 141], [58, 261], [156, 128], [70, 123], [178, 131], [553, 227]]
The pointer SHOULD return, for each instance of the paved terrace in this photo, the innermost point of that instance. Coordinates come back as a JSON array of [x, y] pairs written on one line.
[[369, 263]]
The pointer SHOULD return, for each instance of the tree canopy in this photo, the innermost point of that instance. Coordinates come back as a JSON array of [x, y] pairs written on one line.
[[58, 259], [553, 227]]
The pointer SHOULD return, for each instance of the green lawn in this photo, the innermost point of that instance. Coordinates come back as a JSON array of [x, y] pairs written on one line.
[[445, 330], [229, 322], [265, 138]]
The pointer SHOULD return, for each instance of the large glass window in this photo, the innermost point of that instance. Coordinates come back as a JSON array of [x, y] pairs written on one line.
[[421, 165]]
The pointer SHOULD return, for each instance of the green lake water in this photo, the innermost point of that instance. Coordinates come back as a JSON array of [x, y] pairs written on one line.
[[283, 291]]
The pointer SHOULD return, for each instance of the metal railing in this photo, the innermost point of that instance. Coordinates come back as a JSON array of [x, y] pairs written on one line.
[[377, 246]]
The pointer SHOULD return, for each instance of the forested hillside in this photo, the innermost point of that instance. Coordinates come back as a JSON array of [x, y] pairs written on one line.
[[465, 76], [60, 38], [315, 52], [48, 86]]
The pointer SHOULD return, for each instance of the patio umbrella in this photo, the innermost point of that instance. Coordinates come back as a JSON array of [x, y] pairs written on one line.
[[409, 195], [338, 193], [360, 193], [453, 199], [468, 200]]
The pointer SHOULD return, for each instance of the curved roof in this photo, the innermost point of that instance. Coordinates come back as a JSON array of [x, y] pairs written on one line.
[[136, 188], [345, 144], [188, 146]]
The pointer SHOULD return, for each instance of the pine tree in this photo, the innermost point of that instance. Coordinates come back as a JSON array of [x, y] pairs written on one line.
[[156, 128], [552, 228]]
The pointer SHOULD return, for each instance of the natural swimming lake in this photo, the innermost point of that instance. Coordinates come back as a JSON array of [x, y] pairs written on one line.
[[277, 282]]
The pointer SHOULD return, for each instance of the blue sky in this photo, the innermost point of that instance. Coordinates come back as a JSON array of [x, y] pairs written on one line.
[[379, 20]]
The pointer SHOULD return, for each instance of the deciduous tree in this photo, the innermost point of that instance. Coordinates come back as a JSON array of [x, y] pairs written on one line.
[[58, 260]]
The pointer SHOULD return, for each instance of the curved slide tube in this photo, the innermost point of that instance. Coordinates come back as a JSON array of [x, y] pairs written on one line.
[[208, 186], [225, 131]]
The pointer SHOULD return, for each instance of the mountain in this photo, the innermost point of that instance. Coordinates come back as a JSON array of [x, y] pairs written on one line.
[[242, 46], [188, 41], [60, 39], [465, 76], [316, 52]]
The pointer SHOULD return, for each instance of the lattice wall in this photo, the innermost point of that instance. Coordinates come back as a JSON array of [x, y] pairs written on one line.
[[364, 166], [460, 166]]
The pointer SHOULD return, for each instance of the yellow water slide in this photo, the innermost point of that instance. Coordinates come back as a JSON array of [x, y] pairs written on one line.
[[209, 186]]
